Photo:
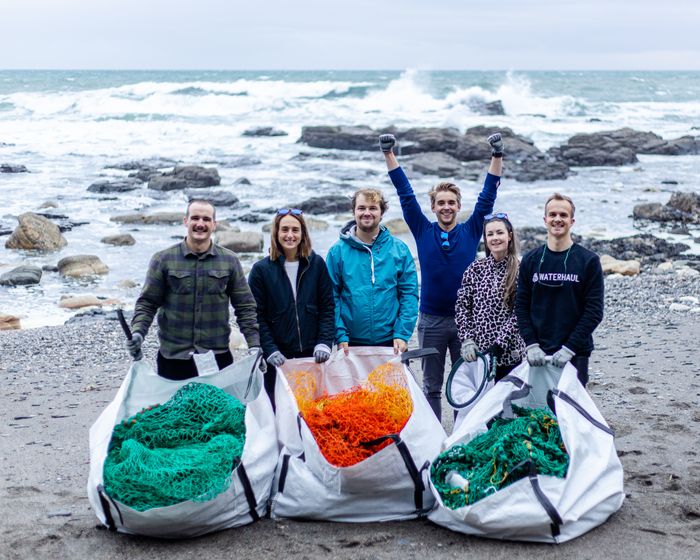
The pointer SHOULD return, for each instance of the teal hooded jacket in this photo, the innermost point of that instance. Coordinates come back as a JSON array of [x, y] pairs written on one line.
[[375, 288]]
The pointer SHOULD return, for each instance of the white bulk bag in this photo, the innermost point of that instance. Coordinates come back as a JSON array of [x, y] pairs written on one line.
[[543, 508], [247, 496], [389, 485], [464, 384]]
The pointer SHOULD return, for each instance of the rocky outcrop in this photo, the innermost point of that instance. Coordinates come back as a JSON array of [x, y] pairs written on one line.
[[185, 177], [683, 146], [264, 131], [10, 168], [24, 275], [439, 164], [150, 219], [643, 247], [340, 137], [119, 240], [216, 197], [330, 204], [241, 241], [80, 266], [9, 322], [35, 232], [78, 302], [682, 207], [482, 107], [597, 149], [116, 186]]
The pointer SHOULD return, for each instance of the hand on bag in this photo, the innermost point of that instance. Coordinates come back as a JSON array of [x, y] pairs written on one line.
[[262, 366], [468, 350], [387, 142], [345, 347], [276, 359], [321, 353], [562, 356], [496, 145], [400, 345], [535, 355], [133, 346]]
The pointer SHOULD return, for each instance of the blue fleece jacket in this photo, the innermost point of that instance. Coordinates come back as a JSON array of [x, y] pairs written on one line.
[[442, 269]]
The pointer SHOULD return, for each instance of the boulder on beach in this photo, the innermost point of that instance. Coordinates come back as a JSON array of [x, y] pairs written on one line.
[[150, 219], [241, 241], [330, 204], [9, 322], [185, 177], [114, 186], [35, 232], [80, 266], [78, 302], [10, 168], [24, 275], [682, 207], [119, 240], [264, 131], [611, 265]]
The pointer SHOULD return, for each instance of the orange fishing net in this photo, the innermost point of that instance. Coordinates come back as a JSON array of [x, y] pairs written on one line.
[[341, 423]]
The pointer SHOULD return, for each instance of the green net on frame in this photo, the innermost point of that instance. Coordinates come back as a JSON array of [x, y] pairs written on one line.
[[184, 449], [466, 473]]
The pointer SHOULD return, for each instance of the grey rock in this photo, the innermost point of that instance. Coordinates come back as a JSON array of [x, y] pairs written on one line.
[[119, 185], [11, 168], [685, 145], [216, 197], [482, 107], [340, 137], [436, 163], [119, 240], [80, 266], [242, 181], [251, 218], [264, 131], [185, 177], [24, 275], [682, 207], [241, 241], [152, 163], [598, 149], [150, 219], [330, 204]]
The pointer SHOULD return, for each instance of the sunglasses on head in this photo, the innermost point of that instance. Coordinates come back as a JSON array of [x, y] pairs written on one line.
[[445, 241], [496, 216], [292, 211]]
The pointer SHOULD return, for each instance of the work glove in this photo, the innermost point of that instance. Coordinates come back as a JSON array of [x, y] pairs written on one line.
[[134, 346], [535, 355], [562, 356], [276, 359], [495, 350], [496, 145], [387, 142], [321, 353], [468, 351]]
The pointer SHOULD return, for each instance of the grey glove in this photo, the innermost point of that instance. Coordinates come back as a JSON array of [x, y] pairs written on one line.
[[468, 351], [321, 353], [262, 366], [387, 142], [276, 359], [134, 346], [562, 356], [496, 145], [535, 355]]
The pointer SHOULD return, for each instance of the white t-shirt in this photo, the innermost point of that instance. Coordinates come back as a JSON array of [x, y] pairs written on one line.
[[292, 268]]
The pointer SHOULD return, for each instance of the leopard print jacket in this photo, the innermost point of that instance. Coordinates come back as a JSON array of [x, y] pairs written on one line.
[[481, 315]]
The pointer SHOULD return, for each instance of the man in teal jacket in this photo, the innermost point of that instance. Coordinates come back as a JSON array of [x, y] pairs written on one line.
[[374, 280]]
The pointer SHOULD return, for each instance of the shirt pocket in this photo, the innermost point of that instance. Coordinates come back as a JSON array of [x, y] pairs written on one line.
[[217, 280], [180, 281]]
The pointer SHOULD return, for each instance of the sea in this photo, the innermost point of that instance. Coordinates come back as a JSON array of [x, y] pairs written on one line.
[[69, 127]]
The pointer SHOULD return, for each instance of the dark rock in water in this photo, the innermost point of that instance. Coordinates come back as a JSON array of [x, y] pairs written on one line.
[[682, 207], [482, 107], [669, 182], [264, 131], [5, 231], [340, 137], [120, 185], [63, 222], [145, 174], [155, 163], [49, 268], [330, 204], [643, 247], [217, 198], [688, 202], [536, 169], [685, 145], [596, 149], [252, 218], [680, 230], [436, 163], [242, 181], [185, 177], [24, 275], [119, 240], [10, 168]]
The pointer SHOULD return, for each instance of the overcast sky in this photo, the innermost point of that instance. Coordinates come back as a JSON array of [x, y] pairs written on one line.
[[354, 34]]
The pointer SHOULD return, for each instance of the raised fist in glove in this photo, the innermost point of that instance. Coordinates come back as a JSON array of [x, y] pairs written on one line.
[[387, 142], [134, 346], [496, 145], [276, 359], [535, 355], [562, 356], [321, 353], [468, 350]]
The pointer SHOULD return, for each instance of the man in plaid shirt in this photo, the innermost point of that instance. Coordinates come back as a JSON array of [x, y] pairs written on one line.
[[190, 285]]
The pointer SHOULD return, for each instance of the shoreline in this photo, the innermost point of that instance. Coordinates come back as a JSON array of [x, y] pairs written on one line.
[[645, 379]]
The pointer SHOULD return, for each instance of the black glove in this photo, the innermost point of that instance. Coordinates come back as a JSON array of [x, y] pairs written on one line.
[[496, 145], [387, 142], [134, 346], [495, 350]]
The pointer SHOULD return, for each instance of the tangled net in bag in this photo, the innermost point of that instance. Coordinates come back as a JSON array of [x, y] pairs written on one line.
[[340, 423], [464, 474], [184, 449]]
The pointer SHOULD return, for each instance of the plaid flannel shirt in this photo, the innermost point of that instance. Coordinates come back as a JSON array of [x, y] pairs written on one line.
[[191, 294]]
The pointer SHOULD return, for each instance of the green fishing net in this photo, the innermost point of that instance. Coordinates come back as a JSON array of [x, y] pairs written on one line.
[[464, 474], [184, 449]]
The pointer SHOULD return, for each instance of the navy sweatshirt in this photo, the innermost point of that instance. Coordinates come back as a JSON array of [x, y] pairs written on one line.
[[557, 303], [442, 269]]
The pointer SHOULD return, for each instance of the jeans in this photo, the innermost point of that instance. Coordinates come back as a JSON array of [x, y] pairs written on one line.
[[439, 333]]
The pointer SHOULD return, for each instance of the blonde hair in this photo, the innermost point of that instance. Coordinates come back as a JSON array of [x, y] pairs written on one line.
[[304, 248], [375, 195], [442, 187]]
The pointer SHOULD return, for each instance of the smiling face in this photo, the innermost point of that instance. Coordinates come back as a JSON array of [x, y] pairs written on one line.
[[289, 236], [497, 237], [446, 206], [558, 218], [367, 213], [200, 223]]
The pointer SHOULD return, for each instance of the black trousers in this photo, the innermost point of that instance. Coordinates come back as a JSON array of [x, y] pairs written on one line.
[[185, 369]]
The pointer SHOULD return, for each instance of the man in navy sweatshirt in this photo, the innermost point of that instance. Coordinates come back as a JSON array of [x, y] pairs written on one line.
[[560, 296], [445, 249]]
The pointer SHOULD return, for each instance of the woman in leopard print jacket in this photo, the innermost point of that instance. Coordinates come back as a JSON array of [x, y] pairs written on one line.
[[484, 312]]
